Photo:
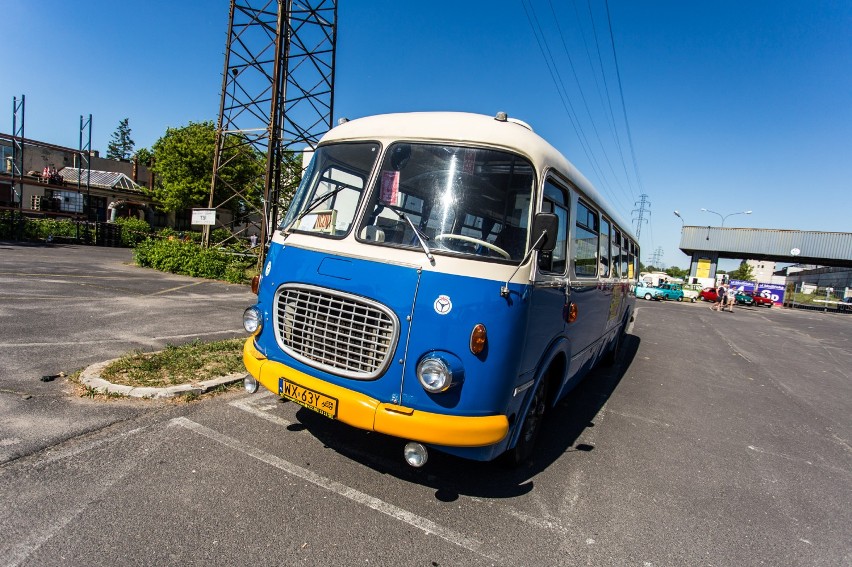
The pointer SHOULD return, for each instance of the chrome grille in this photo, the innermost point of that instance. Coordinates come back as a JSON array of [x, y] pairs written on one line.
[[336, 332]]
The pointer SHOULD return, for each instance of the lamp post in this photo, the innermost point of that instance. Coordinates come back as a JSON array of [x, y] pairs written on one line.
[[723, 217], [677, 214]]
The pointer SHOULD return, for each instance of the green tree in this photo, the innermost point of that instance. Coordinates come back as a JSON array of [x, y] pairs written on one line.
[[143, 156], [120, 144], [676, 272], [183, 162], [744, 272]]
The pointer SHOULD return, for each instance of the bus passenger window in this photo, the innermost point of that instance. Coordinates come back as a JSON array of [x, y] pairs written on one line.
[[604, 253], [586, 242], [556, 202], [616, 252], [625, 249]]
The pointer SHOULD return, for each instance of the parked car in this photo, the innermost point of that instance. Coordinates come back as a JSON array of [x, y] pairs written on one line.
[[646, 291], [708, 294], [742, 298], [670, 291], [760, 300]]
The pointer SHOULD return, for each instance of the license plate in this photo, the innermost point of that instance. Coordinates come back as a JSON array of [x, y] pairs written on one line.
[[305, 397]]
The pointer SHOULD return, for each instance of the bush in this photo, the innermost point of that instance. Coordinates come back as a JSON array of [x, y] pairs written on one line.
[[133, 230], [188, 258]]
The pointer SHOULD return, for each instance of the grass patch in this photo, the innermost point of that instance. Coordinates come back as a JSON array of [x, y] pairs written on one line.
[[183, 364]]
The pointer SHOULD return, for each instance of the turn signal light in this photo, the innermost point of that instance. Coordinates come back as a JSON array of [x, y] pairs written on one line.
[[255, 284], [569, 312], [478, 339]]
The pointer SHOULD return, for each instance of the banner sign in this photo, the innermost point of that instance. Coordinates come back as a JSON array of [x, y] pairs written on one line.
[[775, 292]]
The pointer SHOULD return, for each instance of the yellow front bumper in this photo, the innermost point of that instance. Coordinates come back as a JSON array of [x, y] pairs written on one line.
[[364, 412]]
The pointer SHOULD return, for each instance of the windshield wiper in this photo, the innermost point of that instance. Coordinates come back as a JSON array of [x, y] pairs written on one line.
[[420, 236], [314, 204]]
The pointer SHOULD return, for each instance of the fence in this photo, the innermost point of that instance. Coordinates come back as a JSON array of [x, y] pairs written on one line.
[[811, 296], [16, 226]]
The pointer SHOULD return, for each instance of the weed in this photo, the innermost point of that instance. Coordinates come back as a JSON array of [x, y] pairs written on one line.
[[175, 365]]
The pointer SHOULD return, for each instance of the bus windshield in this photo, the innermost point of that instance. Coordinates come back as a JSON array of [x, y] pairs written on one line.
[[331, 189], [462, 200]]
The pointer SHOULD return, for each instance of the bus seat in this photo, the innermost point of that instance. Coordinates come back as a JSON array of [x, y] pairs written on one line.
[[512, 239], [373, 234]]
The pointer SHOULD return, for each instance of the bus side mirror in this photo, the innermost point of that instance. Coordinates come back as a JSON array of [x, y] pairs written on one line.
[[545, 223]]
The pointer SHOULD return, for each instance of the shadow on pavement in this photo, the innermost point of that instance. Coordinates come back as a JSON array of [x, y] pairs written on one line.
[[451, 476]]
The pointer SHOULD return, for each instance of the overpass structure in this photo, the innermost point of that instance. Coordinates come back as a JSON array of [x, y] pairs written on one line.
[[706, 245]]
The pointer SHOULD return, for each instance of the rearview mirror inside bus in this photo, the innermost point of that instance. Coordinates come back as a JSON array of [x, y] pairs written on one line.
[[547, 223]]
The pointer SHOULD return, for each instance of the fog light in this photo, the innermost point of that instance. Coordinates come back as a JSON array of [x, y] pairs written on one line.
[[416, 454], [250, 384]]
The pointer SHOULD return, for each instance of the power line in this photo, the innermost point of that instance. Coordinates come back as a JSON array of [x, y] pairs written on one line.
[[621, 94]]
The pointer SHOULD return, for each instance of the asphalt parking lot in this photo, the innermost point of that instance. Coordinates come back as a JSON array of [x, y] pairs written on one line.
[[717, 439]]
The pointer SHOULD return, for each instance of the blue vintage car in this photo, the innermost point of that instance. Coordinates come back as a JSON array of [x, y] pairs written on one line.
[[646, 291]]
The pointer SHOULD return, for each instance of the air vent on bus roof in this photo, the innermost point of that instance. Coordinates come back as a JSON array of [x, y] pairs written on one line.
[[503, 117]]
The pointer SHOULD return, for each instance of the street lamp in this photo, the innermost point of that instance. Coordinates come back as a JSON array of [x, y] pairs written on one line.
[[723, 217], [677, 214]]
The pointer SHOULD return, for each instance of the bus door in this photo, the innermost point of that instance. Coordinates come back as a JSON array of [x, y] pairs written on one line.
[[548, 298], [589, 293]]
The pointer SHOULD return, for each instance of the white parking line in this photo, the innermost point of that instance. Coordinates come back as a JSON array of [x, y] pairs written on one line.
[[356, 496], [249, 405]]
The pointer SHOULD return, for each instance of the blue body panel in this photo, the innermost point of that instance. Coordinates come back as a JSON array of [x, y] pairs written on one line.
[[489, 379], [526, 332]]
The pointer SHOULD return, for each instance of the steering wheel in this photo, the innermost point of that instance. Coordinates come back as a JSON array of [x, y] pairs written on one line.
[[463, 238]]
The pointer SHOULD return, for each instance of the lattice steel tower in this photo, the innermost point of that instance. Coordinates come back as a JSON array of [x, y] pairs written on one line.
[[644, 207], [277, 96]]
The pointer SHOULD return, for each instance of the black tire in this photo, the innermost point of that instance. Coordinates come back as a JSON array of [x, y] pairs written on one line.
[[648, 297], [530, 428], [611, 356], [680, 298]]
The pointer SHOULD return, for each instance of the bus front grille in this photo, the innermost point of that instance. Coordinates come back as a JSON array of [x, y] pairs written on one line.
[[335, 332]]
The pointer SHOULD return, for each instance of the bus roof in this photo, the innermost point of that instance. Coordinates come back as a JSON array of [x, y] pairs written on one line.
[[478, 129]]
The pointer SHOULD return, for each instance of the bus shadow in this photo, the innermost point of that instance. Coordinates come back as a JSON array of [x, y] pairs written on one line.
[[452, 477]]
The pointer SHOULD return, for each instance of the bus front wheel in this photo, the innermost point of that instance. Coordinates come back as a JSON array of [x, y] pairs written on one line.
[[531, 426]]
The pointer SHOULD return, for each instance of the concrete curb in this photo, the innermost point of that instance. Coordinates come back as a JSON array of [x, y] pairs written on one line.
[[91, 377]]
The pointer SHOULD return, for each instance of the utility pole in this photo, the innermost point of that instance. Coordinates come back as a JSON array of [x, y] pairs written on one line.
[[644, 208], [18, 109]]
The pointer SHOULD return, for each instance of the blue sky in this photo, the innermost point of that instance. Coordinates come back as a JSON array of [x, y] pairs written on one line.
[[731, 106]]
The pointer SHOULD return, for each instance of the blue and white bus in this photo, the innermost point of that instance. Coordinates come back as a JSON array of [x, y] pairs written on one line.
[[444, 278]]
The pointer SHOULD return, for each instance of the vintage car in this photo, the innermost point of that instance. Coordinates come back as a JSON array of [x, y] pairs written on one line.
[[672, 291], [760, 300], [646, 291], [742, 298]]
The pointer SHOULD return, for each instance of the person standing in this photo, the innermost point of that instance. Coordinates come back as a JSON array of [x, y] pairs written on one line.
[[731, 298], [720, 298]]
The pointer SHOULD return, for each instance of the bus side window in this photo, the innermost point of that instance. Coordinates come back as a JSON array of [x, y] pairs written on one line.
[[616, 252], [556, 202], [586, 242], [604, 253], [625, 250]]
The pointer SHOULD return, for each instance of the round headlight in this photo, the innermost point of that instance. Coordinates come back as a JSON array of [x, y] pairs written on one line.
[[434, 374], [252, 320]]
